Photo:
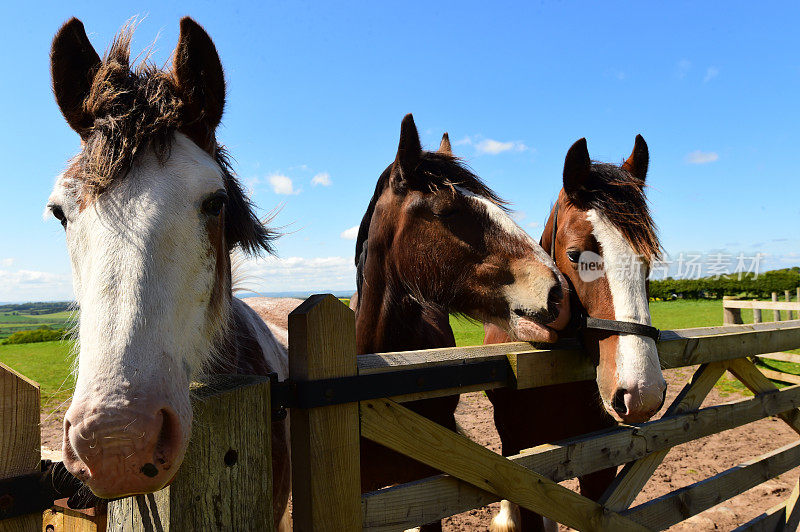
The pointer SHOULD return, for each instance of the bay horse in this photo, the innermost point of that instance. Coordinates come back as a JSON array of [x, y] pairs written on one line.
[[152, 210], [436, 240], [603, 239]]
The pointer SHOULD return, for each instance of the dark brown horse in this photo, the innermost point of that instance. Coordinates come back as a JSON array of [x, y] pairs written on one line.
[[603, 239], [151, 212], [435, 240]]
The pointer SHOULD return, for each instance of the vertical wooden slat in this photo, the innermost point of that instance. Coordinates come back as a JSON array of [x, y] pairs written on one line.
[[776, 314], [326, 478], [731, 316], [756, 314], [225, 481], [788, 297], [20, 438]]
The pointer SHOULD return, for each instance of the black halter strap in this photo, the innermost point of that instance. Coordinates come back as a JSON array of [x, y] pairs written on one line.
[[584, 322]]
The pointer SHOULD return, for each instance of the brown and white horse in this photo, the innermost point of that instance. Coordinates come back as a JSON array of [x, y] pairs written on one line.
[[436, 240], [603, 239], [151, 212]]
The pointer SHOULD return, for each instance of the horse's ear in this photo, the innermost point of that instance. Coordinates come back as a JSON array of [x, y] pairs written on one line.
[[444, 146], [577, 167], [198, 76], [409, 152], [73, 65], [639, 160]]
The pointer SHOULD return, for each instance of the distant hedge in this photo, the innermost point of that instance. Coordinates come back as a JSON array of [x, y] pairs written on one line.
[[42, 334], [710, 288]]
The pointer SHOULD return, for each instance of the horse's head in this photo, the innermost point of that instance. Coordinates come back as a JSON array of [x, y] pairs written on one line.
[[605, 241], [448, 241], [151, 212]]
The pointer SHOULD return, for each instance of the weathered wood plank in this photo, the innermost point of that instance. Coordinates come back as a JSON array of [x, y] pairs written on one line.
[[630, 481], [780, 376], [326, 473], [20, 438], [439, 496], [730, 314], [224, 482], [756, 382], [63, 519], [783, 357], [757, 314], [390, 424], [770, 521], [539, 367], [681, 504], [774, 305]]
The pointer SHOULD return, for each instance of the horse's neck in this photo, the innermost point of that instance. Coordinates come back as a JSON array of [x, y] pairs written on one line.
[[250, 346], [397, 322]]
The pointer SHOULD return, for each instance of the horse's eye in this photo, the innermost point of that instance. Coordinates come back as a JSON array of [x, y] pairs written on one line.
[[574, 255], [58, 212], [213, 205]]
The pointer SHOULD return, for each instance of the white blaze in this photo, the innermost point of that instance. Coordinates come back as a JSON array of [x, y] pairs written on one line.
[[638, 366]]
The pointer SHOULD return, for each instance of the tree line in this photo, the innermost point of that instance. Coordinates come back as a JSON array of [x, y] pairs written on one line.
[[750, 286]]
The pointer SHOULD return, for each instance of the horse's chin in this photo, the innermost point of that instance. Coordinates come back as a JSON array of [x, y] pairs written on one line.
[[527, 330]]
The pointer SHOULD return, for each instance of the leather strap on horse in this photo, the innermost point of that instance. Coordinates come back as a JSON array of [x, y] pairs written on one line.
[[626, 327], [36, 492], [584, 322]]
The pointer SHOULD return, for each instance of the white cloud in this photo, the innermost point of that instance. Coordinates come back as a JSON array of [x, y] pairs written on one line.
[[682, 68], [7, 262], [701, 157], [322, 178], [30, 285], [282, 184], [493, 147], [315, 274], [350, 234], [711, 73], [534, 225], [518, 216]]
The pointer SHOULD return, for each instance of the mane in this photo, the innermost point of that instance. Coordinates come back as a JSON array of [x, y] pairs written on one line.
[[140, 107], [620, 197], [439, 171]]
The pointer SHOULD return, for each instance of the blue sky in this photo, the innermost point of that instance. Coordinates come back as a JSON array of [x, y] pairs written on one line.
[[319, 90]]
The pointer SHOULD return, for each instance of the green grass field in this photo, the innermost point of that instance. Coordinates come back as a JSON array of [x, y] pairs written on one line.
[[11, 322], [48, 363]]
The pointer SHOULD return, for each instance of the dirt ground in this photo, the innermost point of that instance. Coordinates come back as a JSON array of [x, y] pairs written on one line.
[[684, 465]]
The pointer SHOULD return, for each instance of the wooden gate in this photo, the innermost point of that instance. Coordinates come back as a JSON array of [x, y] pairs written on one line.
[[325, 459]]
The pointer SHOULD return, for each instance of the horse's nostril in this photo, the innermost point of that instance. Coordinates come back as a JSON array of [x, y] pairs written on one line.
[[618, 402]]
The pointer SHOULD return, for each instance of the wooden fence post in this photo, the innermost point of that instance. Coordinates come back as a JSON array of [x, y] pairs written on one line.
[[788, 297], [326, 476], [225, 481], [776, 314], [731, 316], [20, 439], [756, 313]]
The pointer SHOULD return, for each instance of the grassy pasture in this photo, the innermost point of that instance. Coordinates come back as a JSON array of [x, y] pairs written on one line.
[[48, 363], [11, 322]]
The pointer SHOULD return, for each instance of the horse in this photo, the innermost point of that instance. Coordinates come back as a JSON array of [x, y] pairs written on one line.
[[436, 240], [152, 211], [602, 238]]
